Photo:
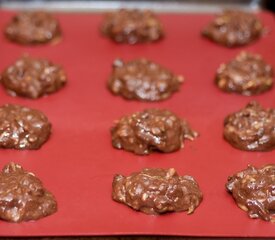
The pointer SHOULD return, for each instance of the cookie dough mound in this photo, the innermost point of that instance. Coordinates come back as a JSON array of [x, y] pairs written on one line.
[[22, 196], [247, 74], [157, 191], [251, 128], [234, 28], [253, 191], [151, 130], [32, 78], [33, 28], [143, 80], [132, 26], [22, 127]]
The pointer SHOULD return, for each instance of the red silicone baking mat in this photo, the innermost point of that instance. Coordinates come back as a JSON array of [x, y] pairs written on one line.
[[77, 164]]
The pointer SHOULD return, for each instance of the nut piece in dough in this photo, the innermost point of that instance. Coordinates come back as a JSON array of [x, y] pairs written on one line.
[[234, 28], [151, 130], [157, 191], [251, 128], [247, 74], [32, 78], [143, 80], [33, 28], [132, 26], [22, 196], [22, 127], [254, 191]]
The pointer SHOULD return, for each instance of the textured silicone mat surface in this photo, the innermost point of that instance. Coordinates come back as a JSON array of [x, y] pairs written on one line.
[[77, 164]]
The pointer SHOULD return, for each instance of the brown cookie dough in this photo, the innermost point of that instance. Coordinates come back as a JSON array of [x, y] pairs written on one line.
[[142, 80], [22, 196], [132, 26], [22, 127], [33, 78], [251, 128], [234, 28], [33, 28], [151, 130], [156, 191], [254, 191], [247, 74]]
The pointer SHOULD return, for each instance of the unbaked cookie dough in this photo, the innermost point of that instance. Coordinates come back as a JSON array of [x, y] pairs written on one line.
[[234, 28], [22, 127], [33, 78], [23, 196], [132, 26], [251, 129], [33, 28], [253, 191], [157, 191], [151, 130], [248, 74], [142, 80]]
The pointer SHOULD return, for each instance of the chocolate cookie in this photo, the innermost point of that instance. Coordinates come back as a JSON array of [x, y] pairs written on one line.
[[33, 28], [248, 74], [251, 129], [234, 28], [22, 127], [22, 196], [151, 130], [132, 26], [157, 191], [254, 191], [33, 78], [142, 80]]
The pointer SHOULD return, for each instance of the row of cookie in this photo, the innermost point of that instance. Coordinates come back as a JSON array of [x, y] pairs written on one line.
[[152, 191], [231, 28], [250, 129], [140, 79]]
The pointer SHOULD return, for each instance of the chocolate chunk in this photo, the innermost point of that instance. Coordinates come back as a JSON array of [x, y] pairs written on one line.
[[151, 130], [254, 191], [33, 28], [234, 28], [251, 129], [248, 74], [156, 191], [22, 196], [132, 26], [142, 80], [33, 78], [22, 127]]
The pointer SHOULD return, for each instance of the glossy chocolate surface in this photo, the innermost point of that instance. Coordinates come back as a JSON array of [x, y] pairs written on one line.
[[254, 191], [156, 191], [22, 196], [22, 127], [151, 130], [251, 128], [132, 26], [142, 80]]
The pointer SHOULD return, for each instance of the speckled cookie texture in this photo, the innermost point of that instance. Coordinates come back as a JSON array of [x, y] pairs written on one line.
[[33, 77], [23, 196], [234, 28], [253, 191], [132, 26], [22, 127], [143, 80], [157, 191], [151, 130], [251, 129], [248, 74], [36, 27]]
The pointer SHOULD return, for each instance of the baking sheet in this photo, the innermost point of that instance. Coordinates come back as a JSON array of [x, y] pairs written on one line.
[[77, 164]]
